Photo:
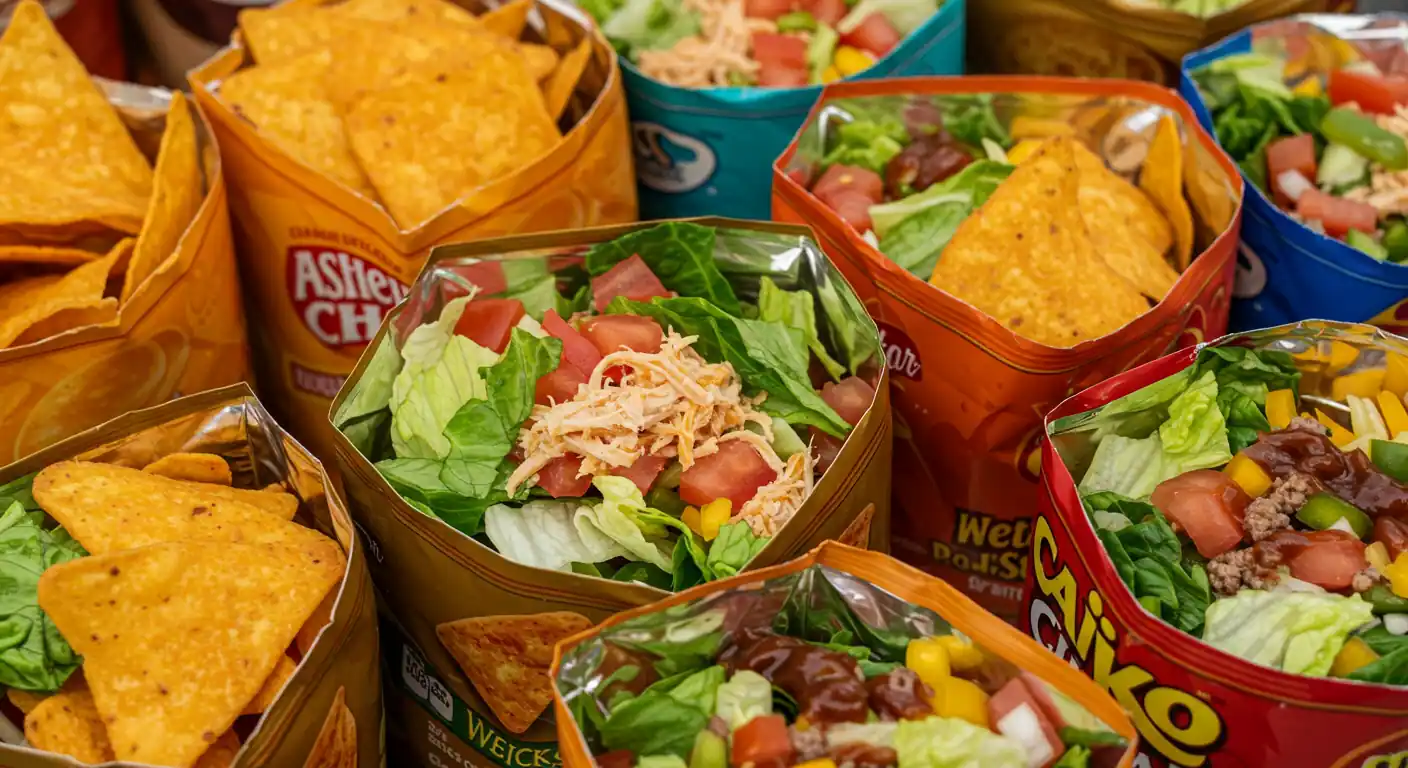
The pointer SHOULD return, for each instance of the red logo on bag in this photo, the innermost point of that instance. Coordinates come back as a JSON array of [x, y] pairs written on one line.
[[341, 297], [901, 356]]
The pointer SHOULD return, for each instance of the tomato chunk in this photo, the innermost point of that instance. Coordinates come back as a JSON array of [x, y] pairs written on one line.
[[1015, 713], [487, 275], [559, 477], [1327, 559], [1208, 506], [560, 385], [619, 758], [643, 472], [631, 278], [1292, 153], [488, 322], [766, 9], [762, 741], [783, 50], [850, 398], [773, 75], [576, 349], [853, 208], [826, 12], [875, 34], [842, 178], [1337, 214], [1373, 93], [735, 472], [611, 333]]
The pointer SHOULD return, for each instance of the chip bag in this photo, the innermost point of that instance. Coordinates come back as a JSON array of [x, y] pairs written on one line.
[[1254, 629], [117, 276], [361, 134], [1296, 260], [1137, 39], [1008, 259], [522, 481], [198, 597], [836, 654]]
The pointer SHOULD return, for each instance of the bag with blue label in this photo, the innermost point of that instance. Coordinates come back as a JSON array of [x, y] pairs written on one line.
[[1314, 109], [717, 88]]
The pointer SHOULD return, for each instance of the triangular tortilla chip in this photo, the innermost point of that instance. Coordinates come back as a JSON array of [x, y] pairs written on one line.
[[272, 686], [222, 753], [308, 633], [282, 35], [540, 60], [65, 155], [42, 299], [508, 19], [109, 508], [1128, 230], [336, 745], [558, 91], [1162, 179], [68, 723], [40, 254], [507, 658], [177, 638], [419, 11], [391, 59], [176, 196], [193, 467]]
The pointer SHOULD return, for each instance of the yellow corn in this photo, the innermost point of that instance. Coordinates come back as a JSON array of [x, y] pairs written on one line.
[[1023, 150], [830, 75], [1308, 87], [1396, 374], [1397, 575], [690, 516], [713, 516], [1248, 474], [1364, 384], [1395, 416], [824, 762], [1338, 434], [1355, 654], [1376, 555], [962, 699], [928, 658], [849, 61], [962, 656], [1280, 408]]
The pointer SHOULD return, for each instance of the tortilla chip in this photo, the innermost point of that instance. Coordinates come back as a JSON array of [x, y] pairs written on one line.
[[176, 196], [336, 745], [857, 534], [557, 93], [508, 19], [289, 103], [283, 35], [411, 140], [1026, 260], [194, 467], [1162, 180], [389, 60], [68, 723], [97, 313], [539, 60], [25, 701], [41, 299], [109, 508], [222, 753], [273, 686], [308, 633], [1128, 231], [1206, 186], [394, 11], [177, 638], [65, 155], [40, 254], [507, 659]]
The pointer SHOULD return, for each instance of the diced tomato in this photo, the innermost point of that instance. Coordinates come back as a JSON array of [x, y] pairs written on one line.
[[1208, 506], [824, 447], [1337, 214], [875, 34], [1016, 714], [609, 333], [1042, 695], [1327, 559], [487, 275], [560, 385], [844, 178], [735, 472], [631, 278], [827, 12], [850, 398], [784, 50], [762, 741], [766, 9], [774, 75], [576, 349], [619, 758], [488, 322], [1373, 93], [1292, 153], [559, 477], [853, 208], [643, 472]]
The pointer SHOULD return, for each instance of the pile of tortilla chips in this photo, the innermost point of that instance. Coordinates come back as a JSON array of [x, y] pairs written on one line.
[[75, 188], [411, 103], [191, 609], [1066, 249]]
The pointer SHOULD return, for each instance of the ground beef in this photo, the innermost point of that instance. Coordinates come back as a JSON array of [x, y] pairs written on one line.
[[1231, 571], [1308, 424], [1365, 579], [1272, 512], [809, 743]]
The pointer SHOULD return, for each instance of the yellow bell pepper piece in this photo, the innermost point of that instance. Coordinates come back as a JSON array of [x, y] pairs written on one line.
[[1341, 356], [1339, 435], [1364, 384], [1355, 654], [928, 658], [1023, 150], [713, 516], [1025, 127], [1308, 87], [1397, 575], [1395, 415], [850, 60], [824, 762], [962, 655], [830, 75], [1280, 408], [1396, 374], [1376, 555], [690, 516], [1248, 474], [962, 699]]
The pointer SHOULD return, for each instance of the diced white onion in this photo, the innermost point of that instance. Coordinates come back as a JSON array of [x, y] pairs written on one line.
[[1293, 184], [870, 237], [1024, 727], [1396, 623], [1342, 524]]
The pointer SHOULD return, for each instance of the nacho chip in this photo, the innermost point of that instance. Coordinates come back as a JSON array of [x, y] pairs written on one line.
[[412, 139], [1207, 188], [195, 467], [283, 35], [222, 753], [394, 11], [290, 104], [539, 60], [308, 633], [40, 254], [25, 701], [508, 19], [507, 659], [109, 508], [177, 638], [41, 300], [176, 196], [336, 745], [1128, 231], [65, 155], [559, 88], [272, 686], [389, 60], [1162, 180], [68, 723], [1026, 260]]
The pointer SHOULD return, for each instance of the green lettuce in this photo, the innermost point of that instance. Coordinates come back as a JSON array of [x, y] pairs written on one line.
[[867, 144], [35, 657], [679, 253], [1147, 555], [665, 717], [821, 49], [914, 231], [1298, 632], [904, 15], [623, 516], [645, 25], [970, 118], [733, 548], [440, 374], [948, 742], [550, 534], [745, 696], [795, 309]]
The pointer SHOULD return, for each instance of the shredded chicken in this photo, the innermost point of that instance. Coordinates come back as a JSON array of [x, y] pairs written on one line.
[[717, 53], [775, 503], [1387, 190]]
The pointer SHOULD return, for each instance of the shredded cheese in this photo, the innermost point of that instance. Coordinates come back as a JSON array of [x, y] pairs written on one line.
[[718, 53], [775, 503]]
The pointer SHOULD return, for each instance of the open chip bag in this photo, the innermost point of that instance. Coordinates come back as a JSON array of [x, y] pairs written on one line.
[[841, 657], [117, 272], [184, 589], [1314, 109], [1235, 519], [1009, 235], [557, 427], [716, 88], [360, 134], [1137, 39]]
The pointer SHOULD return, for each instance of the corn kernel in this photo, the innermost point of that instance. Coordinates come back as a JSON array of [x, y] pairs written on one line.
[[1397, 575], [1280, 408], [928, 658], [850, 60], [1248, 474], [802, 723], [962, 655], [830, 75], [1376, 555], [964, 700], [690, 516], [713, 516], [1355, 654]]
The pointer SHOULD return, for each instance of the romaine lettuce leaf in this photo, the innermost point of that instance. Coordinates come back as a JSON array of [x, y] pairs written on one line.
[[440, 374], [914, 231], [733, 548], [623, 516], [869, 144], [648, 25], [35, 656], [795, 309], [1298, 632], [665, 717], [549, 534], [679, 253]]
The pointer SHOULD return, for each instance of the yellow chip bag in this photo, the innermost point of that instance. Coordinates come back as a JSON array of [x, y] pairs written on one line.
[[195, 467], [1127, 230], [164, 700], [1162, 179], [336, 745], [176, 196], [68, 723], [43, 307]]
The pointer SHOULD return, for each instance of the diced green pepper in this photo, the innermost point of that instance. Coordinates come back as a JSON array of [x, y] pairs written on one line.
[[710, 751], [796, 21], [1391, 457], [1323, 510], [1360, 133], [1383, 599], [1396, 240], [1365, 243]]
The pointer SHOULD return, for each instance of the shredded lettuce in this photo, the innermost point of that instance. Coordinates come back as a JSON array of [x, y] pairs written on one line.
[[441, 373], [948, 742], [1298, 632]]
